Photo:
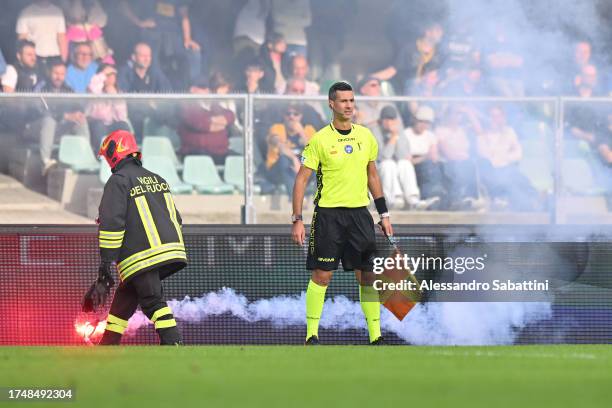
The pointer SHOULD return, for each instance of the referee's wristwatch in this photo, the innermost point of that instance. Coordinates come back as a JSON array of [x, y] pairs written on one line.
[[384, 215], [295, 218]]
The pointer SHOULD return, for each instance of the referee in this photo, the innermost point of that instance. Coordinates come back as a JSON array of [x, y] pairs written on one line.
[[343, 155]]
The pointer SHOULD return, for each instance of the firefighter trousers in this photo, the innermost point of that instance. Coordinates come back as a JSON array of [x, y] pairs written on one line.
[[146, 290]]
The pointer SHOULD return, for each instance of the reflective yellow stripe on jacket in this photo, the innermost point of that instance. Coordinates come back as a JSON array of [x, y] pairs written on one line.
[[172, 212], [111, 239], [147, 221], [150, 257]]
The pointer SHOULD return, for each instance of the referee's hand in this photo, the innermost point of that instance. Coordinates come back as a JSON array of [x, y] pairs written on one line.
[[385, 224], [298, 233]]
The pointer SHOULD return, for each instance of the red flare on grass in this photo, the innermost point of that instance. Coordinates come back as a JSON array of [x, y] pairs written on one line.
[[90, 331]]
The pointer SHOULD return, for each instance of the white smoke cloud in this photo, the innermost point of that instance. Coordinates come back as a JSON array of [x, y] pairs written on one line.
[[427, 324]]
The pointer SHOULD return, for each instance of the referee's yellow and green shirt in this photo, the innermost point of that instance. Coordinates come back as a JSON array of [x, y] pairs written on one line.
[[341, 163]]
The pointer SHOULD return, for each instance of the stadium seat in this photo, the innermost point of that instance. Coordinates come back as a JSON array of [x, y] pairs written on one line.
[[160, 146], [164, 166], [234, 171], [105, 171], [578, 178], [75, 152], [200, 171]]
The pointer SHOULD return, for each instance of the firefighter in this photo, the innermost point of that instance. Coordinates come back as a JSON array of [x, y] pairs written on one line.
[[140, 231]]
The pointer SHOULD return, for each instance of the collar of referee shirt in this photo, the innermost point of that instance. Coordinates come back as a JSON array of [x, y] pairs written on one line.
[[343, 132]]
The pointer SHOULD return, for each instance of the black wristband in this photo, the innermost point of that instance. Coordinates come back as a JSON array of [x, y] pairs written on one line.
[[381, 205]]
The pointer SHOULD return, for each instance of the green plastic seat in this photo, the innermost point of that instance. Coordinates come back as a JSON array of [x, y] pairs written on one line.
[[160, 146], [164, 166], [76, 153], [234, 171], [200, 171]]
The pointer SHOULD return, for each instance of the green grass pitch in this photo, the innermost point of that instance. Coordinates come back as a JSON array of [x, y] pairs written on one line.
[[296, 376]]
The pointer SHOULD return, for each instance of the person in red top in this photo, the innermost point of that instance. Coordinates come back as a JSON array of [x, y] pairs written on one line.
[[204, 126]]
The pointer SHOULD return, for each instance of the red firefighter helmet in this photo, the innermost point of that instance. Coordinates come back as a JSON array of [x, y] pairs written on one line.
[[117, 146]]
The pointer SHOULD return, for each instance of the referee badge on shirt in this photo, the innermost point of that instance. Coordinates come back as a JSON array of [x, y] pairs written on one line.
[[348, 149]]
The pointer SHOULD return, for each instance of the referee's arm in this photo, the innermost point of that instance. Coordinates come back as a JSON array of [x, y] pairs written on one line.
[[376, 189], [298, 232]]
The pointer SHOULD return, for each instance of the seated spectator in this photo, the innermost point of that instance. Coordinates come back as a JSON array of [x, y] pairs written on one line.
[[220, 85], [274, 112], [286, 140], [424, 154], [369, 111], [105, 115], [253, 76], [43, 23], [299, 70], [82, 68], [455, 152], [167, 28], [21, 77], [24, 74], [583, 120], [140, 75], [413, 59], [396, 169], [504, 64], [290, 19], [500, 152], [271, 59], [86, 20], [312, 111], [60, 117], [204, 125]]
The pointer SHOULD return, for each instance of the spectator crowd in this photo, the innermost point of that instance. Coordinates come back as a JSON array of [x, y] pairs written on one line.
[[434, 155]]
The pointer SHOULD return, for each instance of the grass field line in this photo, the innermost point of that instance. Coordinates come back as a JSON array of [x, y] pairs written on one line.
[[488, 353]]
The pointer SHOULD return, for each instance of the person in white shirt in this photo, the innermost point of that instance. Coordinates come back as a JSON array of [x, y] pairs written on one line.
[[395, 165], [43, 23], [424, 154]]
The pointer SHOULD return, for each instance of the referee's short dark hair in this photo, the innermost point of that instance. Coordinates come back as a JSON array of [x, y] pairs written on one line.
[[338, 86]]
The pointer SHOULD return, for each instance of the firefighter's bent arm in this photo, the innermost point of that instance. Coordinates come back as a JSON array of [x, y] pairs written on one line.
[[112, 215]]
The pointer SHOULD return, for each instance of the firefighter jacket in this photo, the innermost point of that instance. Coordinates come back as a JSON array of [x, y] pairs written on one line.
[[139, 226]]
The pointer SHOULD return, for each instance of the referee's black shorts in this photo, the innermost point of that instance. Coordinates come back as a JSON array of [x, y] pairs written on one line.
[[341, 234]]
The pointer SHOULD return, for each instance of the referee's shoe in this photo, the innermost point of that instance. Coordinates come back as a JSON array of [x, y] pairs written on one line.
[[312, 341]]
